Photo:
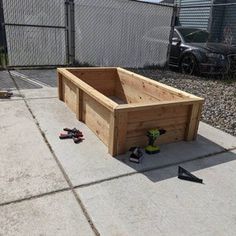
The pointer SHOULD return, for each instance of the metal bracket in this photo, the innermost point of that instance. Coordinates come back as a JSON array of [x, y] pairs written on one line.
[[185, 175]]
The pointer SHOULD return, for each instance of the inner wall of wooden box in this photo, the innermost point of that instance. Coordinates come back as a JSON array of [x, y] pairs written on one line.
[[124, 88], [121, 129]]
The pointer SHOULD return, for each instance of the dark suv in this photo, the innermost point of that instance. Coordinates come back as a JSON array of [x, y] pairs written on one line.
[[192, 53]]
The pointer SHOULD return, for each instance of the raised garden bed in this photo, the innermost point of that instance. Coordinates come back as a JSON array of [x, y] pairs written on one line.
[[120, 106]]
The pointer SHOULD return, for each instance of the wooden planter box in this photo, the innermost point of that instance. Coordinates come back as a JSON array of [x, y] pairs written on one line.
[[120, 106]]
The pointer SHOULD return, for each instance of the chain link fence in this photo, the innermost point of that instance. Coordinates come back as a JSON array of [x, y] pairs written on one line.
[[87, 32], [218, 18], [35, 32], [122, 33]]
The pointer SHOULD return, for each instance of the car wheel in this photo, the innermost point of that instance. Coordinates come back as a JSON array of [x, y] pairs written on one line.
[[189, 65]]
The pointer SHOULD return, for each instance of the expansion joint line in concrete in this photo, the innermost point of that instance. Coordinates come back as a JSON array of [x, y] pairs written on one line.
[[28, 99], [151, 169], [113, 178], [35, 196], [58, 162]]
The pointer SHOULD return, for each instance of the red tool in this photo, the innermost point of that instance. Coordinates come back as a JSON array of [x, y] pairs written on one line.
[[74, 134]]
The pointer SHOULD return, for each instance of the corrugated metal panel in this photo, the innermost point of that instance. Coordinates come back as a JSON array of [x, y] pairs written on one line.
[[194, 16], [121, 32]]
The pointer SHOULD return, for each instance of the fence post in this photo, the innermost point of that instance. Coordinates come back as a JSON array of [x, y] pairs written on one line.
[[70, 31], [173, 19], [5, 63]]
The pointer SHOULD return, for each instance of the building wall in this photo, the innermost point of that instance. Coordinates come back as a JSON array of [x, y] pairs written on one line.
[[194, 16], [222, 24]]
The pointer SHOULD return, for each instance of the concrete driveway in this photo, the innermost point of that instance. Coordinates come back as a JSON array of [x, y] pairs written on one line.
[[54, 187]]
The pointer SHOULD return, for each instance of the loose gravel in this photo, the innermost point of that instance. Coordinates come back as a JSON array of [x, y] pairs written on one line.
[[220, 95]]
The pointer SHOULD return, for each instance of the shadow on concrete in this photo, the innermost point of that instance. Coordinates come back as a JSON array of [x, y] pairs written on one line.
[[193, 156]]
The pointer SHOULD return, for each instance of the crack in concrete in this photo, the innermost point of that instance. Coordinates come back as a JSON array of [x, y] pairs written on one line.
[[79, 201]]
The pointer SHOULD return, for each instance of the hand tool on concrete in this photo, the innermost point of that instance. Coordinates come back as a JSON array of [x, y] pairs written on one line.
[[152, 135], [137, 155], [5, 94], [74, 134], [186, 175]]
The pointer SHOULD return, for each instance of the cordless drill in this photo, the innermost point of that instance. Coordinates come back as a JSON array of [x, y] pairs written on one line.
[[152, 135]]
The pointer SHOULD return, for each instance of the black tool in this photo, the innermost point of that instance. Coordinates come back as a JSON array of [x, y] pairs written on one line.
[[185, 175], [136, 155]]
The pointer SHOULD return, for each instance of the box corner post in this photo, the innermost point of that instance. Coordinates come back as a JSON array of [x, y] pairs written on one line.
[[60, 86], [193, 121]]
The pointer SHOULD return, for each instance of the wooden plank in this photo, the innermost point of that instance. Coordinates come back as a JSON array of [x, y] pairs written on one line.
[[96, 117], [160, 113], [105, 101], [70, 95], [122, 121], [112, 143], [117, 100], [158, 84], [168, 128], [156, 123], [193, 122], [148, 106], [119, 91], [198, 120], [90, 68], [133, 95], [142, 141], [128, 90], [147, 91], [60, 86], [79, 105], [99, 80]]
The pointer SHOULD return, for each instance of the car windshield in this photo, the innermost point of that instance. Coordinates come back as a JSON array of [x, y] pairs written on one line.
[[194, 35]]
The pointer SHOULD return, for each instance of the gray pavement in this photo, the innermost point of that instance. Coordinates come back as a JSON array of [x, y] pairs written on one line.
[[54, 187]]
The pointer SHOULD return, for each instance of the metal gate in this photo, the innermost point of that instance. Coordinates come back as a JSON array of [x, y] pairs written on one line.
[[36, 32], [97, 32]]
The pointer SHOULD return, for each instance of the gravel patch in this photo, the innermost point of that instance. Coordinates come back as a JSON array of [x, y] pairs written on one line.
[[220, 95]]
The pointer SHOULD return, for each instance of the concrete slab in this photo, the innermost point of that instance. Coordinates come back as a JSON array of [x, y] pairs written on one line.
[[6, 83], [45, 76], [27, 167], [57, 214], [89, 161], [134, 205], [40, 93], [217, 136]]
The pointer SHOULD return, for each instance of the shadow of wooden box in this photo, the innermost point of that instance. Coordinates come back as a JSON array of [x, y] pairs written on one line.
[[120, 106]]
